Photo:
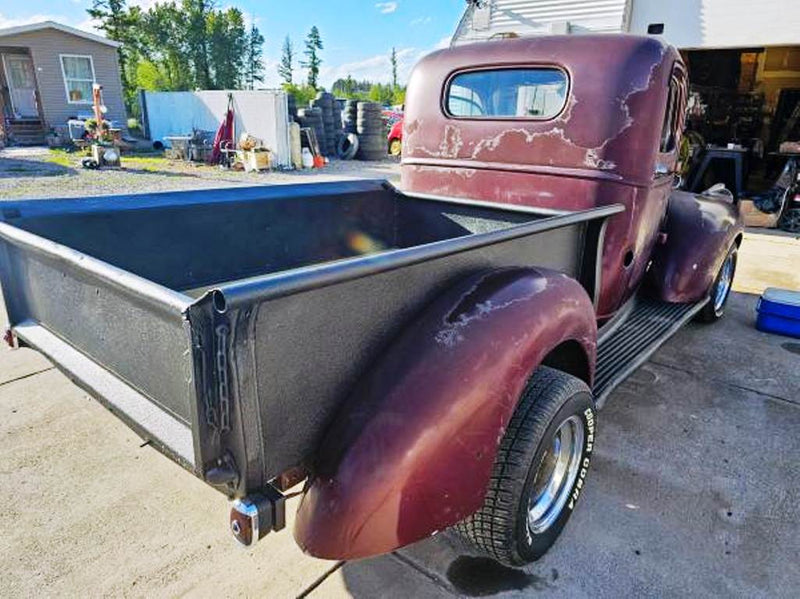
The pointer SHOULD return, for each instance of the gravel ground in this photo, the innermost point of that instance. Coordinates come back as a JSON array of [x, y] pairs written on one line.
[[36, 173]]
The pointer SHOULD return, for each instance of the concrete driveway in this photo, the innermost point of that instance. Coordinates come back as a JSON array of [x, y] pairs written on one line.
[[695, 490]]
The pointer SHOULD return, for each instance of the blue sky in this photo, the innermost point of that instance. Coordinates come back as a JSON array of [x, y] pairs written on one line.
[[358, 34]]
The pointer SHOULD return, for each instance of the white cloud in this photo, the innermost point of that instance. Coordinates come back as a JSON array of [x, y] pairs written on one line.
[[386, 7], [421, 21], [378, 68], [442, 43], [85, 24], [145, 4]]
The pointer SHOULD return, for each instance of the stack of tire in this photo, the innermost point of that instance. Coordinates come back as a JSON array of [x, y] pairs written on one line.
[[325, 101], [290, 99], [313, 119], [350, 116], [371, 134]]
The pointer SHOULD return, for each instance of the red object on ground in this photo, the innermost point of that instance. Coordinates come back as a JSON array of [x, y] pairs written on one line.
[[10, 338], [395, 133], [224, 136]]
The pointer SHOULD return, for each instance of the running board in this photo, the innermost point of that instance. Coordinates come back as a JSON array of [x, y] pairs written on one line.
[[648, 325]]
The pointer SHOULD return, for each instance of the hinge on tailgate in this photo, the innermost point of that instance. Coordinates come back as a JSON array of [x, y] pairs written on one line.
[[223, 388]]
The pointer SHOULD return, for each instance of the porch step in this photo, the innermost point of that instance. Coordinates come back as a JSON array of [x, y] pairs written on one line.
[[627, 346], [26, 132]]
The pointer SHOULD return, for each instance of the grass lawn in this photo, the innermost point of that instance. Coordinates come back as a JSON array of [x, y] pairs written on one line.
[[151, 161]]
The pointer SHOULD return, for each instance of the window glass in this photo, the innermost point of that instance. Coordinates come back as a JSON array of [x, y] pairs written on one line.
[[78, 77], [538, 93], [21, 74], [672, 118], [667, 131]]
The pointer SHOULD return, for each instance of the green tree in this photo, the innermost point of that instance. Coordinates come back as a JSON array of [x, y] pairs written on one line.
[[384, 94], [393, 60], [253, 63], [195, 15], [399, 98], [227, 42], [150, 77], [313, 61], [303, 93], [286, 66], [119, 23], [162, 34]]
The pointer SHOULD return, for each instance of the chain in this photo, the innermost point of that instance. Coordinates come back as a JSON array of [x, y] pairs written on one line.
[[222, 378]]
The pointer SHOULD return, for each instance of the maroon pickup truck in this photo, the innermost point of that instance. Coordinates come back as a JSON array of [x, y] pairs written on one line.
[[419, 359]]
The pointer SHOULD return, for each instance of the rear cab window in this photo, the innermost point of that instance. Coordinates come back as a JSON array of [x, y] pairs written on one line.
[[515, 93]]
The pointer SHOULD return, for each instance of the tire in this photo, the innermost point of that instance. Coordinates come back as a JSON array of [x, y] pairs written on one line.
[[553, 404], [721, 289], [790, 221], [347, 146]]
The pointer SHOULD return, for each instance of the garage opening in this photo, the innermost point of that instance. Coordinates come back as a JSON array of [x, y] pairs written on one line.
[[743, 129]]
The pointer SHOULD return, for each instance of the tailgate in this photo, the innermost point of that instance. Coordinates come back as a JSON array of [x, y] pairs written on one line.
[[122, 338]]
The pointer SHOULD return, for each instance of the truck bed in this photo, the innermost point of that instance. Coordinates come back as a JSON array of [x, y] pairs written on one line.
[[227, 326]]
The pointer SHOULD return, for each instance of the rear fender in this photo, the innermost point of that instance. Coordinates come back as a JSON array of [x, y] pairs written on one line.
[[699, 232], [411, 453]]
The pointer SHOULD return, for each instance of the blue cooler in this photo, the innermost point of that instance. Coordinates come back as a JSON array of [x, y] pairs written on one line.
[[779, 312]]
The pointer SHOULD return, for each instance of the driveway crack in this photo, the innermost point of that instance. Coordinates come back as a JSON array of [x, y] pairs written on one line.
[[26, 376]]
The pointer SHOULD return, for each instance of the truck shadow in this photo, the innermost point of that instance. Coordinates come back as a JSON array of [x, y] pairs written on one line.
[[442, 566], [16, 168]]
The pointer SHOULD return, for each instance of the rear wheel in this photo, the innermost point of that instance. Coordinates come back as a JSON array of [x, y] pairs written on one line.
[[539, 472], [721, 290], [790, 221]]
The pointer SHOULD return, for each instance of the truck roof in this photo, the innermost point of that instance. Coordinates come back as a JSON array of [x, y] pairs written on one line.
[[609, 127]]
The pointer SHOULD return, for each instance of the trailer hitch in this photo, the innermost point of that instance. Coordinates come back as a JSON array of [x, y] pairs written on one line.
[[255, 516]]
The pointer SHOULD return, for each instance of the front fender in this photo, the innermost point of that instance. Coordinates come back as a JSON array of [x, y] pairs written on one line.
[[700, 231], [411, 453]]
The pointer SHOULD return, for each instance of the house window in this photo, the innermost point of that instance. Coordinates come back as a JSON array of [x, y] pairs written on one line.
[[78, 74]]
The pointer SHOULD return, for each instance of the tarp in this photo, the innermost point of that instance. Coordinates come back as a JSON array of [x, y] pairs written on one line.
[[261, 113]]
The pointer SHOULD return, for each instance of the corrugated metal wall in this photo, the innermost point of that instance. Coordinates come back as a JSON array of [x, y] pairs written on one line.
[[532, 17], [721, 23], [263, 114], [687, 23]]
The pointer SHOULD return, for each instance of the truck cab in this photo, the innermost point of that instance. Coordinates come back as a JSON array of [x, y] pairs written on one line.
[[564, 123]]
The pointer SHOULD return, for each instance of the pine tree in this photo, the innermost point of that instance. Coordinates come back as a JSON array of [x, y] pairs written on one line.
[[393, 60], [313, 46], [286, 67], [119, 23], [254, 67]]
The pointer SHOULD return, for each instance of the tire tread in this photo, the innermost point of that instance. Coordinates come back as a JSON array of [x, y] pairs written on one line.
[[492, 527]]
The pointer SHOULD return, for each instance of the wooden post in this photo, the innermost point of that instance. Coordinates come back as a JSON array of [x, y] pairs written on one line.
[[97, 101]]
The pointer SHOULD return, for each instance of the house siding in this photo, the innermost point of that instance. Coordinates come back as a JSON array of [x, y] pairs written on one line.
[[721, 23], [541, 17], [45, 46]]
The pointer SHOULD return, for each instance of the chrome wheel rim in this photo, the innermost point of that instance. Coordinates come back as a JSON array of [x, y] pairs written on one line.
[[556, 475], [724, 284]]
